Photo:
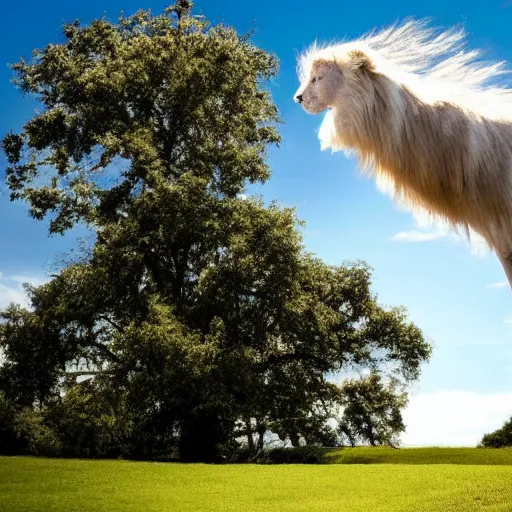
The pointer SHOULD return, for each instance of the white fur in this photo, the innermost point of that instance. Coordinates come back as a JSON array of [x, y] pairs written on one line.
[[434, 66], [419, 70]]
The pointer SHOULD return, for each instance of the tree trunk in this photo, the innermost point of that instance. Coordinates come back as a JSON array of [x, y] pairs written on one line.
[[250, 438], [261, 429], [294, 439]]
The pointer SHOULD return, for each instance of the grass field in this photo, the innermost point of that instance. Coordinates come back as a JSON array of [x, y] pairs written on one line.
[[466, 456], [406, 482]]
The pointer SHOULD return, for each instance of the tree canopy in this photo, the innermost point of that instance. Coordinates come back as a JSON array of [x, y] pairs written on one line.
[[500, 438], [197, 317]]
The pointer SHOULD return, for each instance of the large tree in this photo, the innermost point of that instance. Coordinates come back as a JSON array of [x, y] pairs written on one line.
[[196, 311]]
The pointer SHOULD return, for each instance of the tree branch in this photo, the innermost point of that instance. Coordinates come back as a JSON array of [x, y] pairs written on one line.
[[296, 356], [111, 322], [91, 372], [110, 355]]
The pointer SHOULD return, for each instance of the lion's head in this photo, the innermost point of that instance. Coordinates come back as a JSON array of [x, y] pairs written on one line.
[[326, 81]]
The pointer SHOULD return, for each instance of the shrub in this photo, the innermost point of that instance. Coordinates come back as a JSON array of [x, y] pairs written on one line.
[[309, 454], [499, 438]]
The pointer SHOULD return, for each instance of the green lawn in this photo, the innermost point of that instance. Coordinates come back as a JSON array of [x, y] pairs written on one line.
[[466, 456], [31, 484]]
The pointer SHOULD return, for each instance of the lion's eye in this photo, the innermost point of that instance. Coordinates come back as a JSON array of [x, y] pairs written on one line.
[[313, 80]]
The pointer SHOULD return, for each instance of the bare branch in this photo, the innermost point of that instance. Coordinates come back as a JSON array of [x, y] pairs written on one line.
[[111, 322], [91, 372]]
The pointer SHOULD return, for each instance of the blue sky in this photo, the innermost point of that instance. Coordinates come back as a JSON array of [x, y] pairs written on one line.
[[457, 298]]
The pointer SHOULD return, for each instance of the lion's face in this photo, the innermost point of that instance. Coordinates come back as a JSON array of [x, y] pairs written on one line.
[[320, 89]]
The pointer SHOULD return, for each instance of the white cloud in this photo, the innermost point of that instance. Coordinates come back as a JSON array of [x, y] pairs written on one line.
[[418, 236], [477, 244], [499, 284], [454, 418], [508, 320], [431, 228], [11, 288], [34, 280]]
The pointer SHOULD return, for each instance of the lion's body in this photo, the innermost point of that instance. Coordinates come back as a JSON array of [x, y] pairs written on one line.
[[423, 120]]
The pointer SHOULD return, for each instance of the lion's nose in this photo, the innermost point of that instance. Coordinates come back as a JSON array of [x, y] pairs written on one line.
[[299, 98]]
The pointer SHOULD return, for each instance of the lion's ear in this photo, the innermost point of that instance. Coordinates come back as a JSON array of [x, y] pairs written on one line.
[[361, 61]]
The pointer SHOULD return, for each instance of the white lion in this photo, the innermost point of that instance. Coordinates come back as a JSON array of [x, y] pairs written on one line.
[[426, 118]]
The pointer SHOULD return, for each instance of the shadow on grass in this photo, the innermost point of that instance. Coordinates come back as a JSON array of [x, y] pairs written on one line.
[[430, 455]]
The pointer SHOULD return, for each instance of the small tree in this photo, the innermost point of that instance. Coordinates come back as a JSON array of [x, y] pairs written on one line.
[[372, 412], [500, 438]]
